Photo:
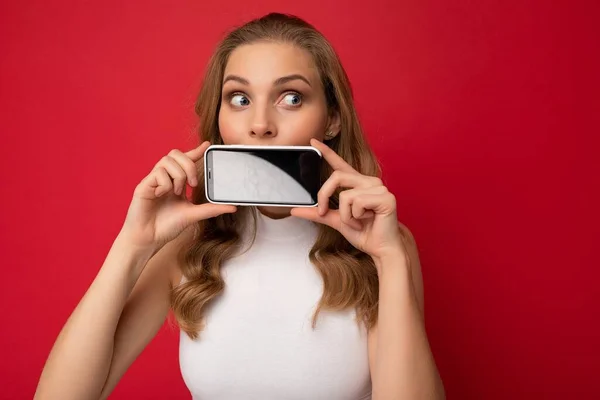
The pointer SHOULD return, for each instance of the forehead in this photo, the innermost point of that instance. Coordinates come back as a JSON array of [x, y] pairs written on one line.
[[264, 62]]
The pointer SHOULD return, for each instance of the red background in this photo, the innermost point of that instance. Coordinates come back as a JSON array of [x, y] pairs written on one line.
[[482, 113]]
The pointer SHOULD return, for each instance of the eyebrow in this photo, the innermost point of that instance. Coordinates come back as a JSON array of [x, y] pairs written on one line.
[[278, 82], [285, 79]]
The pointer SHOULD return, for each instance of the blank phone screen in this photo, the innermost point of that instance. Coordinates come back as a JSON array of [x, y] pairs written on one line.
[[269, 176]]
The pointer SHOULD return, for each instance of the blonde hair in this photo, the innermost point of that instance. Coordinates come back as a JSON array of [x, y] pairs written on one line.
[[349, 275]]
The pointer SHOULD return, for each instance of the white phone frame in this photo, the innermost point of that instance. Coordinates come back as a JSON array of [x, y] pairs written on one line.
[[253, 147]]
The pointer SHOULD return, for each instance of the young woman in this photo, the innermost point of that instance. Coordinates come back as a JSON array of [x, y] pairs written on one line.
[[273, 303]]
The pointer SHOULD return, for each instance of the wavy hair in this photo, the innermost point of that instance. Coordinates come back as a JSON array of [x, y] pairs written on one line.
[[349, 275]]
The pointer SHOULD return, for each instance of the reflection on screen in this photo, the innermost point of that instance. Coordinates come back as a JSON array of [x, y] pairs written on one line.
[[281, 176]]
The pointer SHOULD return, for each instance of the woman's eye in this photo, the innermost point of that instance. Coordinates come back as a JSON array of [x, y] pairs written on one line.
[[239, 100], [292, 99]]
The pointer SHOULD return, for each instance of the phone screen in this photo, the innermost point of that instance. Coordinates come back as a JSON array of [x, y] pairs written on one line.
[[268, 175]]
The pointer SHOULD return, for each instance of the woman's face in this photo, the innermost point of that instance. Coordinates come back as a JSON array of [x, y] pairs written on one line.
[[272, 95]]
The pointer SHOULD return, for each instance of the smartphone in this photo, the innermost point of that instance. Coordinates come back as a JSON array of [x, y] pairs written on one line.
[[279, 176]]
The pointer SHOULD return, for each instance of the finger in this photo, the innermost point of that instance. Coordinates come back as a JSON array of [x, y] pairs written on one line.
[[366, 214], [199, 212], [188, 166], [359, 208], [162, 182], [377, 203], [196, 154], [345, 206], [176, 172], [332, 158], [345, 209], [338, 179]]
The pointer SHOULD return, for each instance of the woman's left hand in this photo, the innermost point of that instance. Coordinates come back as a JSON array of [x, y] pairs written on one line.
[[367, 210]]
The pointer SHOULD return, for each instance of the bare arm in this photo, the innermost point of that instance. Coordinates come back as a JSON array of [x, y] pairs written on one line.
[[130, 297], [401, 361], [117, 317]]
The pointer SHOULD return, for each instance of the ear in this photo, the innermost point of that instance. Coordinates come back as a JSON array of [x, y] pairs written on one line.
[[334, 125]]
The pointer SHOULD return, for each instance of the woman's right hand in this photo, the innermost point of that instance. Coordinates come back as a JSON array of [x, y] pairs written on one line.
[[160, 209]]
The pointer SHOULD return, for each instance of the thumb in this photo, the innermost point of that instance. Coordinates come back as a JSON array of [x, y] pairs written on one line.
[[199, 212], [331, 218]]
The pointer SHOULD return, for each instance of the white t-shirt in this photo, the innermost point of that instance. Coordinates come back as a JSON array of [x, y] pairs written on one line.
[[258, 342]]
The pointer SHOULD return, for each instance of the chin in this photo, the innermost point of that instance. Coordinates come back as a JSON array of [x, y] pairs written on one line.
[[275, 212]]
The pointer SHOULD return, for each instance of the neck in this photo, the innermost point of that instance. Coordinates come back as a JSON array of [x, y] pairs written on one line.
[[281, 226], [275, 212]]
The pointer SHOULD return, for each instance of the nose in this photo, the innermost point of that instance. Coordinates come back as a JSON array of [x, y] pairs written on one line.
[[262, 123]]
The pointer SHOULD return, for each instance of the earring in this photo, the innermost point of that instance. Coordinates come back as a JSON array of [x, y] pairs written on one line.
[[330, 134]]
